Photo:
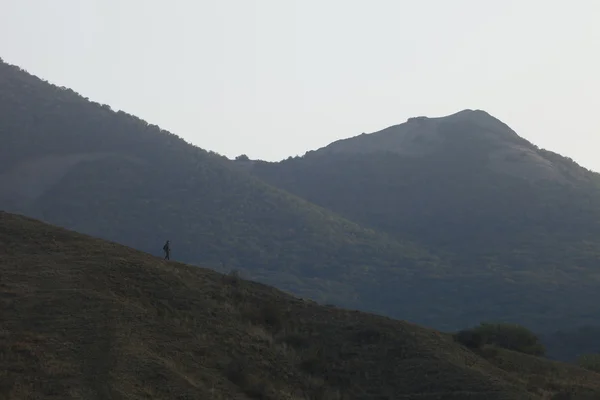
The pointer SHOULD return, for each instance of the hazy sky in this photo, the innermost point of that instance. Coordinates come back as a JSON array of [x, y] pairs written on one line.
[[273, 78]]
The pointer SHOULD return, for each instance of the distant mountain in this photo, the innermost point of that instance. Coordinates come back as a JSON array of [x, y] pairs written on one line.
[[83, 318], [80, 165], [519, 225], [447, 237], [569, 344]]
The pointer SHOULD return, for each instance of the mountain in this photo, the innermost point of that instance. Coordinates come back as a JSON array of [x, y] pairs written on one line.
[[519, 225], [78, 164], [571, 344], [84, 318], [446, 237]]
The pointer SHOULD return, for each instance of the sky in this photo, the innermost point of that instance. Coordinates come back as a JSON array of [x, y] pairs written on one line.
[[276, 78]]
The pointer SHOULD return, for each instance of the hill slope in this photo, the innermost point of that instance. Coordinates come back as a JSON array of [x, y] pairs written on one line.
[[520, 225], [80, 165], [84, 318]]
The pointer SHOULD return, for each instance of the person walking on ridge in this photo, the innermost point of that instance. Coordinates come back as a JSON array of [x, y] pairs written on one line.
[[167, 250]]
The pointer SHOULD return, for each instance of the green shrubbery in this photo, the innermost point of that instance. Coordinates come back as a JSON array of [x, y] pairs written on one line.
[[508, 336]]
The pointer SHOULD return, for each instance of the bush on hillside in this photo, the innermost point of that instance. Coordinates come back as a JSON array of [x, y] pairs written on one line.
[[269, 316], [508, 336], [469, 338]]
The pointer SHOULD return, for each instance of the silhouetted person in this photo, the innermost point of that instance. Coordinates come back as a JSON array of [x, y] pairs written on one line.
[[167, 250]]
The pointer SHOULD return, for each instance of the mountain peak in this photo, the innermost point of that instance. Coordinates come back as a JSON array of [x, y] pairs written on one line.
[[466, 113], [465, 134], [425, 135]]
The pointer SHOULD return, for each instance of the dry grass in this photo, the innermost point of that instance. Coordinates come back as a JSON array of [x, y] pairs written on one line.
[[82, 318]]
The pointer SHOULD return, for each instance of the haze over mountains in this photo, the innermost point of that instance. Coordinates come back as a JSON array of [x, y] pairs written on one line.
[[441, 221]]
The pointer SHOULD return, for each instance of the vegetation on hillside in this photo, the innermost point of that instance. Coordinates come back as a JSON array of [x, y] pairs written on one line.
[[507, 336], [522, 250], [86, 318], [506, 249], [81, 165]]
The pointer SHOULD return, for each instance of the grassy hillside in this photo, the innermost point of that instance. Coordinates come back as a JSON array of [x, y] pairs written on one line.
[[83, 318], [520, 225], [80, 165]]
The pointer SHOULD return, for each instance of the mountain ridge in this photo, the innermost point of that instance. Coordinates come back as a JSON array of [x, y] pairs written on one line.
[[79, 164], [501, 211], [441, 246], [421, 136], [480, 117]]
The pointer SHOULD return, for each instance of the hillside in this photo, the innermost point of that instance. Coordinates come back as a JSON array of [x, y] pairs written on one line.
[[519, 225], [80, 165], [83, 318]]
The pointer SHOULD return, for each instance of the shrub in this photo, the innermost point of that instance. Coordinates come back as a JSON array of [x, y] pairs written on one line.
[[233, 278], [369, 335], [267, 315], [238, 372], [296, 340], [469, 338], [313, 362], [508, 336]]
